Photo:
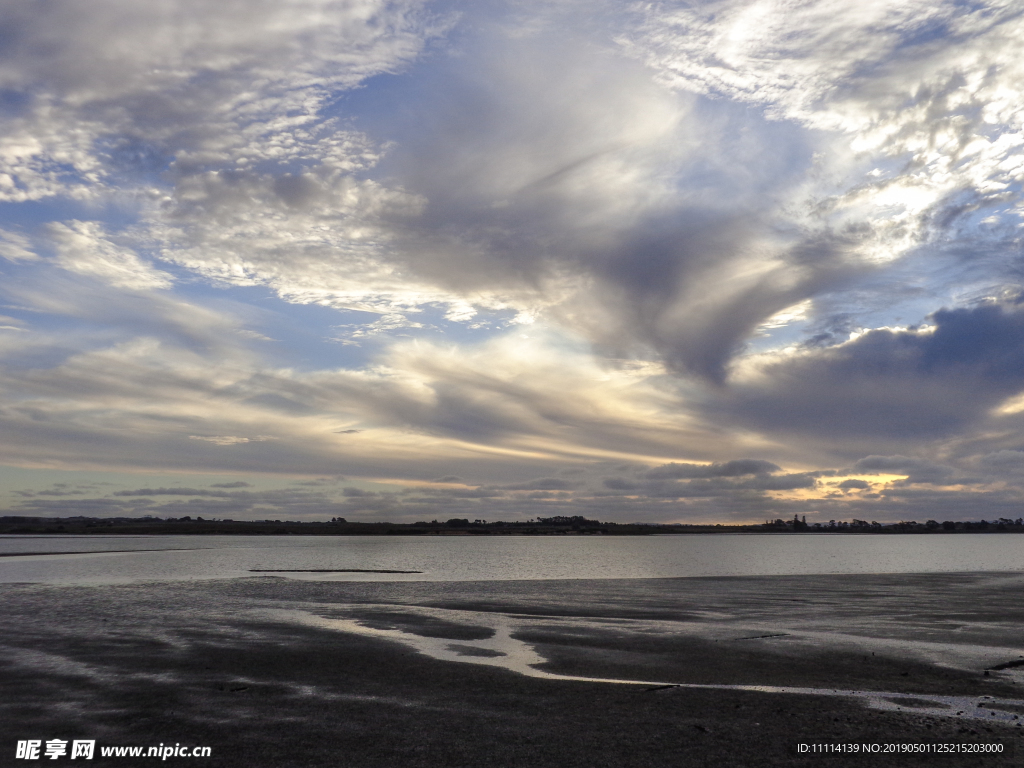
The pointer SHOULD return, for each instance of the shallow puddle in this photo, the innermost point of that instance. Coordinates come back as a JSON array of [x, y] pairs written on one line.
[[504, 651]]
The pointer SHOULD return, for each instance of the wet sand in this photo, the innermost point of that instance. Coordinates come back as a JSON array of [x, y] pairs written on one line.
[[275, 672]]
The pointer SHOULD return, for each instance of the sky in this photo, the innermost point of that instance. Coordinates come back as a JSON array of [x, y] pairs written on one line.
[[399, 260]]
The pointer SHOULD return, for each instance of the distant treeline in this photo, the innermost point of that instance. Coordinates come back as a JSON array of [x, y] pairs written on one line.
[[338, 526], [541, 526], [907, 526]]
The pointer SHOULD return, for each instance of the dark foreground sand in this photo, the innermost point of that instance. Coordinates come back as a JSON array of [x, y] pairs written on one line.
[[243, 666]]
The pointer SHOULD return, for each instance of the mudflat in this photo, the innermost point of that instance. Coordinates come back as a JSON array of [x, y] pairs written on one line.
[[273, 672]]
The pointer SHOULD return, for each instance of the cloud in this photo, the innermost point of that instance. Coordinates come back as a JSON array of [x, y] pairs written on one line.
[[852, 484], [541, 484], [16, 247], [392, 321], [1000, 462], [327, 246], [559, 179], [230, 439], [917, 470], [173, 492], [722, 486], [895, 384], [124, 87], [180, 379], [214, 126], [357, 493], [734, 468], [208, 114], [915, 108], [83, 248]]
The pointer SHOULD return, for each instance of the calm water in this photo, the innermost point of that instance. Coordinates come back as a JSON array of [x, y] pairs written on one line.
[[91, 559]]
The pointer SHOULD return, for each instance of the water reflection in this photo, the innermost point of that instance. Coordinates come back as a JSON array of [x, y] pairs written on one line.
[[111, 559], [503, 649]]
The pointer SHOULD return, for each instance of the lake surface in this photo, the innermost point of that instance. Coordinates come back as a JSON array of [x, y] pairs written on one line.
[[119, 559]]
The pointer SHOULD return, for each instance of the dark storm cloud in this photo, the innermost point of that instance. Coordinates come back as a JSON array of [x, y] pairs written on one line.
[[174, 492], [1005, 461], [917, 470], [457, 493], [357, 493], [618, 484], [734, 468], [788, 482], [88, 507], [859, 485], [276, 503], [284, 497], [540, 484], [726, 486], [898, 384]]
